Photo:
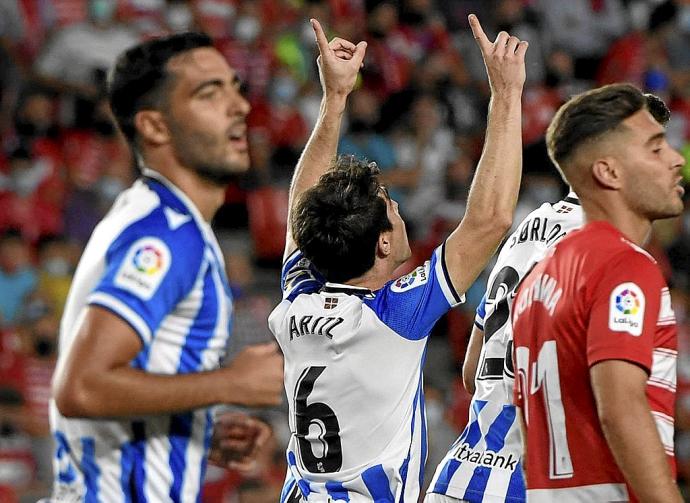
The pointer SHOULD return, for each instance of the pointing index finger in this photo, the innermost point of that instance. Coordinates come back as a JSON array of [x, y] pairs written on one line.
[[321, 40], [479, 34]]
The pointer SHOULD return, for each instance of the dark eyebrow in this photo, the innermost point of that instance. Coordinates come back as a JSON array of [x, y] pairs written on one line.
[[659, 136], [207, 83]]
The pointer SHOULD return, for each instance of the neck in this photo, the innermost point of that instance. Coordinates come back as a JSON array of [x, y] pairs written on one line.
[[206, 195], [374, 279], [614, 211]]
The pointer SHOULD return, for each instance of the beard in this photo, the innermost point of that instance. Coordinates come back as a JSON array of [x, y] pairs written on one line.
[[205, 155]]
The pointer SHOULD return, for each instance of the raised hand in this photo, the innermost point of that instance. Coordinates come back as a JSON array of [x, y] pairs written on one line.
[[504, 58], [339, 62]]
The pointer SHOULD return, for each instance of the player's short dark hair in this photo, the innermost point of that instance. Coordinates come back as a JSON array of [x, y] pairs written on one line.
[[337, 223], [140, 76], [589, 116]]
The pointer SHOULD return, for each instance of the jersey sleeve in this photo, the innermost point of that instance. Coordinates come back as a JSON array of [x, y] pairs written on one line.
[[411, 304], [149, 268], [624, 310], [299, 276], [481, 313]]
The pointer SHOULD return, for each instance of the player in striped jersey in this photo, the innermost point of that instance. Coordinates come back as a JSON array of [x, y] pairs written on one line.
[[353, 337], [483, 464], [593, 329], [148, 315]]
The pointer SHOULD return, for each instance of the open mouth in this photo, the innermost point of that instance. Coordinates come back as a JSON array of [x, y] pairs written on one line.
[[238, 138]]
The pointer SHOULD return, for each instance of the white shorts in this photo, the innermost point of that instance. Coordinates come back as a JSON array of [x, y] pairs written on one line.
[[441, 498]]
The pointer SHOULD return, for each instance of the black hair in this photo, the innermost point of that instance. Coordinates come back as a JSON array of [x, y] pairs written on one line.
[[139, 78], [589, 116], [337, 223]]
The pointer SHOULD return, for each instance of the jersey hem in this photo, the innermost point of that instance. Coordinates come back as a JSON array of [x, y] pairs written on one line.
[[469, 494]]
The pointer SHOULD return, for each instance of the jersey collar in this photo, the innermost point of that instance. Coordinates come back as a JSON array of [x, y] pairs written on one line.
[[572, 199], [346, 289]]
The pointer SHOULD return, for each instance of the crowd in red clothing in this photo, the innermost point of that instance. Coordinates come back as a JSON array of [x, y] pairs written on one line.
[[419, 111]]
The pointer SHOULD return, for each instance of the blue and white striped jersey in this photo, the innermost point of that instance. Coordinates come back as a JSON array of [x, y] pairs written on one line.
[[155, 262], [353, 379], [483, 464]]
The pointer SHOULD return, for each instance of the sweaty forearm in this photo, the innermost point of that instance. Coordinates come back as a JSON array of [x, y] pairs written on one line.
[[630, 430], [496, 184]]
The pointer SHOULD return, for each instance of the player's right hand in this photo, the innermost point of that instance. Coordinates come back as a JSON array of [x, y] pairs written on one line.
[[256, 376], [339, 62], [504, 59]]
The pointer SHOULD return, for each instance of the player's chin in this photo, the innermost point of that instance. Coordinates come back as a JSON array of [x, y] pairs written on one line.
[[238, 162]]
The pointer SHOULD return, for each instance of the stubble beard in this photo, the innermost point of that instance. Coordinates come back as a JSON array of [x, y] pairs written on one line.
[[196, 153]]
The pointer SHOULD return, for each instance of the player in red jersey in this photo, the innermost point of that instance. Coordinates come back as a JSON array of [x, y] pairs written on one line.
[[594, 332]]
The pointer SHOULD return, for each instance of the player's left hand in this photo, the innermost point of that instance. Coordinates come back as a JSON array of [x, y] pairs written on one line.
[[339, 62], [237, 438]]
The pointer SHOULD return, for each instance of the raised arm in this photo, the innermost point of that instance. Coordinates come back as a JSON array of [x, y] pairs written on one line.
[[496, 183], [339, 62]]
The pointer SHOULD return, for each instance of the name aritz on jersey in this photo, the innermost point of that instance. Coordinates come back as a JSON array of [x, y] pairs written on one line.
[[486, 458], [310, 325], [534, 229]]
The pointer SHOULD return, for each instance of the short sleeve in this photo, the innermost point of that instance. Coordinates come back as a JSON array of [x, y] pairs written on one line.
[[624, 310], [149, 269], [413, 303], [299, 276], [480, 314]]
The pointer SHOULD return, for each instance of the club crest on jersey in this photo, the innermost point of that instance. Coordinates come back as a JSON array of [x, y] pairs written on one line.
[[330, 302], [626, 309], [144, 267], [411, 280]]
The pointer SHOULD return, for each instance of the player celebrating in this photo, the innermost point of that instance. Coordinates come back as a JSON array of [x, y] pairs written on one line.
[[353, 338], [148, 315], [483, 465], [594, 332]]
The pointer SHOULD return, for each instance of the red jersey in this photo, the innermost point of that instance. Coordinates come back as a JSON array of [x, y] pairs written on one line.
[[596, 297]]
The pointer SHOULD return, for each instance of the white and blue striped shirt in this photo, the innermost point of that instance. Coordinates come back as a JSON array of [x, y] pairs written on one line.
[[483, 464], [353, 379], [155, 262]]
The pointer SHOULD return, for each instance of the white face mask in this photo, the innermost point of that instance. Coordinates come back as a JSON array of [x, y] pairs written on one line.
[[57, 267], [179, 17], [247, 28]]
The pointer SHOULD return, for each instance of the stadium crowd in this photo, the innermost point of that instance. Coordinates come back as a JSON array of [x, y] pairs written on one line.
[[418, 112]]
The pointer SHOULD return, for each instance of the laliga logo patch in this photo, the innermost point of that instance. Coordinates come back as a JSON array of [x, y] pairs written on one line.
[[148, 260], [144, 267], [626, 309], [412, 280]]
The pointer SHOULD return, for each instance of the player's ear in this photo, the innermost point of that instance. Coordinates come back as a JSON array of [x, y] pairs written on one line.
[[607, 171], [383, 245], [152, 127]]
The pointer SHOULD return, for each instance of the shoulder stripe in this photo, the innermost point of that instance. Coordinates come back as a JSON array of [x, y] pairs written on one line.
[[444, 277], [123, 311]]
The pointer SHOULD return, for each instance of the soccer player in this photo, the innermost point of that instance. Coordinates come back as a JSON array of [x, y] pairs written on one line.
[[352, 335], [594, 332], [483, 464], [149, 311]]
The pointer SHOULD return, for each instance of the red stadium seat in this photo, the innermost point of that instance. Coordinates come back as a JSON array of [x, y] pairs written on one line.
[[267, 209]]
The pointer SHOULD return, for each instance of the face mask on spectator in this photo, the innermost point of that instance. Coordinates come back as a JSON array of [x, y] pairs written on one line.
[[57, 266], [684, 18], [247, 28], [102, 11], [179, 17], [284, 90]]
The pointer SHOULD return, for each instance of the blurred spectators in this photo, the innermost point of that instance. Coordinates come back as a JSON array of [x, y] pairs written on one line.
[[418, 112]]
